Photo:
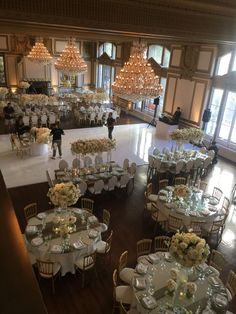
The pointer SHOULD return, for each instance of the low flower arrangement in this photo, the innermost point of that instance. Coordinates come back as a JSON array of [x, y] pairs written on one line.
[[38, 99], [188, 249], [92, 146], [64, 194], [24, 84], [187, 134], [171, 286], [181, 191], [191, 289], [41, 135], [3, 91]]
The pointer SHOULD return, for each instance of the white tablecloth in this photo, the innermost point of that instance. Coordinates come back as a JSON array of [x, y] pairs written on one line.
[[66, 260]]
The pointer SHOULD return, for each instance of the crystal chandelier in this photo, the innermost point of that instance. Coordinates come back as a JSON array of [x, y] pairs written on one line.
[[70, 60], [39, 52], [136, 80]]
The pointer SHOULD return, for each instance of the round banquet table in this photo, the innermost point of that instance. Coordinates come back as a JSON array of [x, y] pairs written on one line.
[[157, 273], [202, 210], [51, 247]]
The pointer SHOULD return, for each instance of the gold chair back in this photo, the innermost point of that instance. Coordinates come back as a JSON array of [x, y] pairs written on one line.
[[123, 261], [231, 283], [163, 183], [217, 193], [179, 180], [144, 247], [217, 260], [106, 217], [87, 204], [30, 211], [174, 223], [161, 244]]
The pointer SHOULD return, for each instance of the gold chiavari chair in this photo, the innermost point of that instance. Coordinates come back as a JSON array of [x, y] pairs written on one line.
[[87, 204], [86, 263], [48, 270], [126, 274], [217, 260], [143, 247], [30, 211], [161, 244], [179, 180], [231, 284]]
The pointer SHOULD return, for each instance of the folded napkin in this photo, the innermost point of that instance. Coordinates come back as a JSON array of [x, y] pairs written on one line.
[[170, 188], [141, 268], [153, 258], [140, 283], [180, 210], [37, 241], [220, 300], [162, 198], [78, 244], [93, 233], [213, 201], [42, 215], [168, 257], [31, 229], [165, 192], [214, 281], [77, 211], [56, 248], [92, 219], [149, 302], [202, 267]]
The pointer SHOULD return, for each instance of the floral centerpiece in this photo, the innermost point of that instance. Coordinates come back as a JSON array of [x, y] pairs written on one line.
[[3, 91], [41, 135], [191, 289], [181, 191], [188, 249], [92, 146], [64, 194], [24, 84]]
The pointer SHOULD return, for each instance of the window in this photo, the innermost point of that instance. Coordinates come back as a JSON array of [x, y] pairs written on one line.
[[2, 71], [215, 107], [105, 77], [223, 66], [160, 54], [109, 48]]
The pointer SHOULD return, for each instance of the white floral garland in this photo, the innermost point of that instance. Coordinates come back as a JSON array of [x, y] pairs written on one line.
[[92, 146], [187, 134]]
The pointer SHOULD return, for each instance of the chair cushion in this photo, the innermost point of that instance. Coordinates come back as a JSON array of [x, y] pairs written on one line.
[[153, 198], [124, 294], [80, 262], [127, 275]]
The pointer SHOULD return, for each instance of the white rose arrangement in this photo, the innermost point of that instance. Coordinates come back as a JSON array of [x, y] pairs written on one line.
[[188, 249], [24, 84], [171, 286], [181, 191], [191, 289], [174, 274], [64, 194], [92, 146], [3, 91]]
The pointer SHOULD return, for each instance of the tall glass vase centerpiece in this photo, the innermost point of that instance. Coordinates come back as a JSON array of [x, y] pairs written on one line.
[[182, 195], [188, 250]]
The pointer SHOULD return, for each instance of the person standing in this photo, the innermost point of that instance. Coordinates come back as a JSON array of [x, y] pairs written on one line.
[[8, 112], [110, 125], [56, 133]]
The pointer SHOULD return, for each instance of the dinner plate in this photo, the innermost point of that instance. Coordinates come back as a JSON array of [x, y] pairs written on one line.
[[141, 268], [165, 192], [140, 283], [37, 241], [56, 248], [162, 198], [149, 302], [93, 233], [79, 244], [42, 215], [31, 229], [213, 201]]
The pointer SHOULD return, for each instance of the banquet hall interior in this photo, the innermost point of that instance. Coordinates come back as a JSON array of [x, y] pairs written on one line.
[[113, 200]]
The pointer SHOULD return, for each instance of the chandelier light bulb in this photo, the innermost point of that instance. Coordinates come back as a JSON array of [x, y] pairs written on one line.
[[136, 80], [70, 60]]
